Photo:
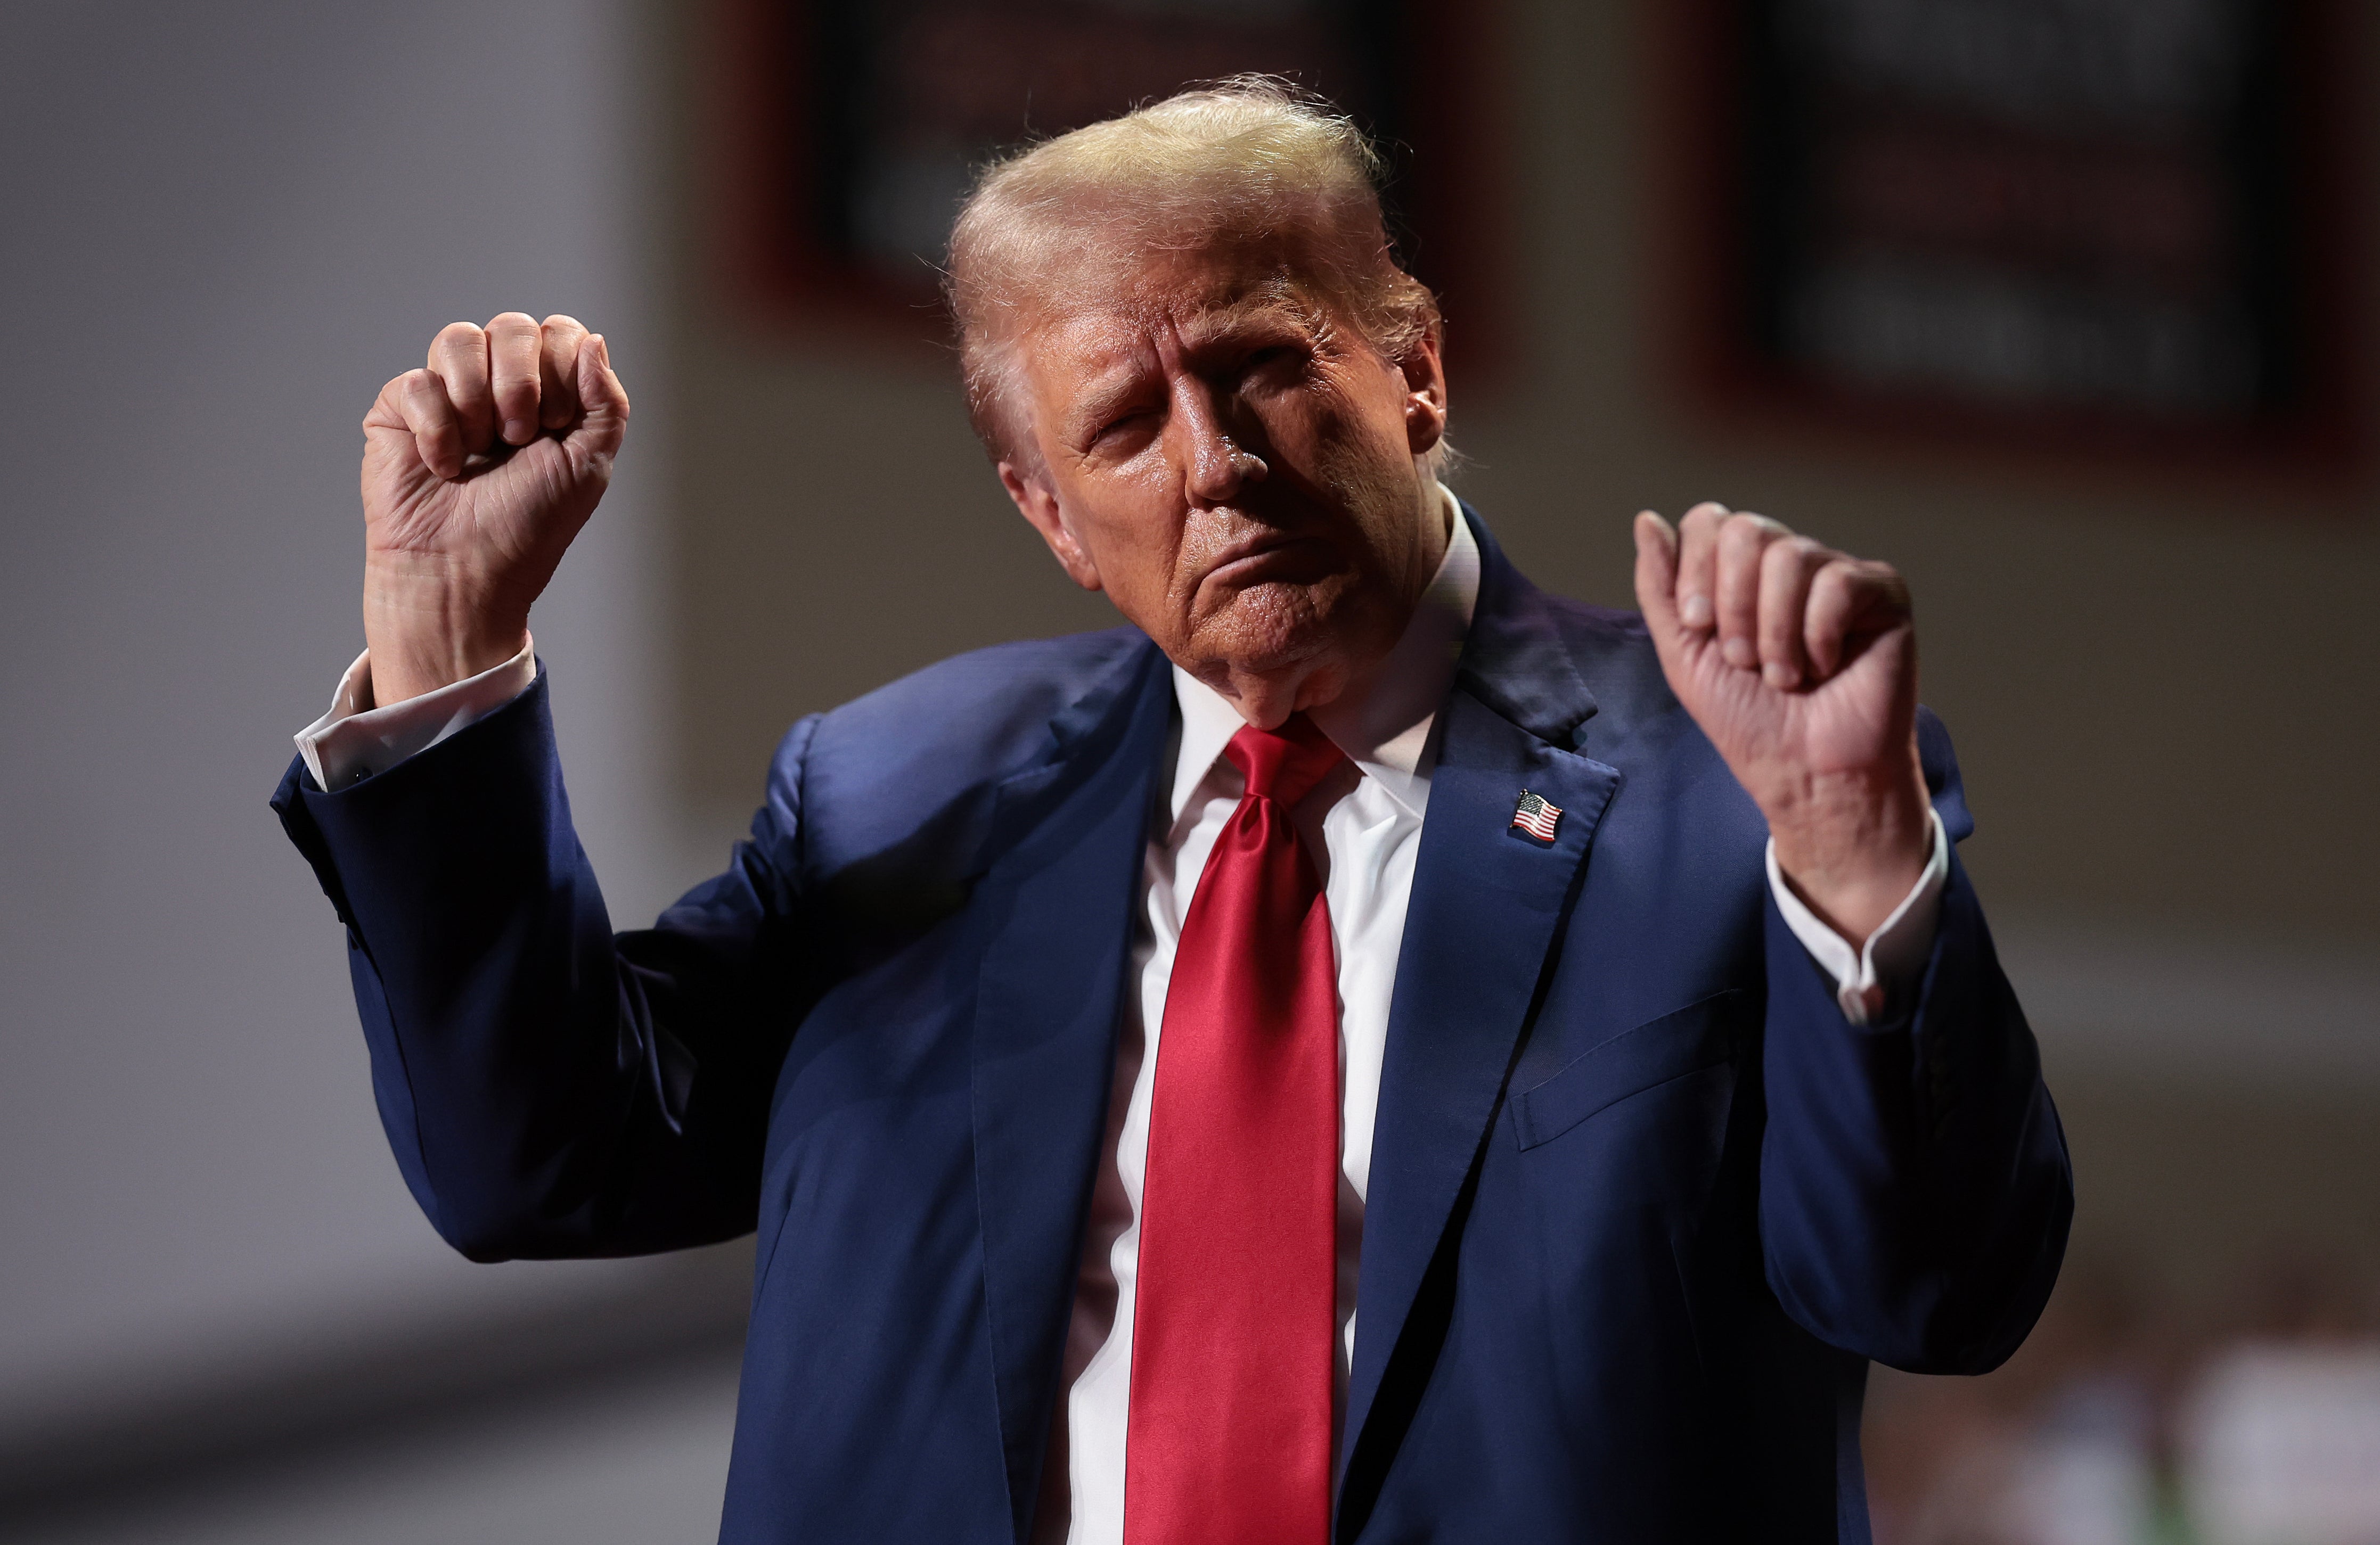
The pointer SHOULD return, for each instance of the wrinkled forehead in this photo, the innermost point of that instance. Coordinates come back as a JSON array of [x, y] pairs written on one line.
[[1114, 305]]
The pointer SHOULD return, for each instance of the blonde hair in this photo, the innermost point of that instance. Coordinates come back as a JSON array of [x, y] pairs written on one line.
[[1252, 157]]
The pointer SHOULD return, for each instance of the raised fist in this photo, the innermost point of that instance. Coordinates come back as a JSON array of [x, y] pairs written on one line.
[[479, 469], [1800, 663]]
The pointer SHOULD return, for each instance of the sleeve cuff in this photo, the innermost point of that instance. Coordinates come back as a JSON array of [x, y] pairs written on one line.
[[1883, 970], [355, 740]]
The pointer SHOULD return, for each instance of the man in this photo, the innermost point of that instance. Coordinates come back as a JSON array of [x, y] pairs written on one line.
[[1369, 1051]]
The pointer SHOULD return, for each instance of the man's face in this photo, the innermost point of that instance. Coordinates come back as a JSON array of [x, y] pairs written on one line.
[[1237, 469]]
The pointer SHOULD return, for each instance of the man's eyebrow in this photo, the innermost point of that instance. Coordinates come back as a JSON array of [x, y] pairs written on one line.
[[1257, 313]]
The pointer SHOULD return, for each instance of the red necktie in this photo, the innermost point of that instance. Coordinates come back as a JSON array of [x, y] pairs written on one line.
[[1235, 1309]]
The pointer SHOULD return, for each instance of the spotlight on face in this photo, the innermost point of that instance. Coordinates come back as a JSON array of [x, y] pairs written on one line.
[[1241, 471], [1209, 386]]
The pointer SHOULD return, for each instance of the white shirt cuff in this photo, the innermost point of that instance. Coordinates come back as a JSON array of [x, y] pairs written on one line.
[[355, 740], [1894, 954]]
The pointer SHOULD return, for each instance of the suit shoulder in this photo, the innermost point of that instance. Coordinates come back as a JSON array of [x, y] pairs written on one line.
[[1589, 624], [970, 706], [868, 768], [1614, 656]]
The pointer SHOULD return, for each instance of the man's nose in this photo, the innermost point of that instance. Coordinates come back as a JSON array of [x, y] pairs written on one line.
[[1217, 464]]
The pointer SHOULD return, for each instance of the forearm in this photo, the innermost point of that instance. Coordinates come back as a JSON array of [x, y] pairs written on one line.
[[545, 1097], [1915, 1186]]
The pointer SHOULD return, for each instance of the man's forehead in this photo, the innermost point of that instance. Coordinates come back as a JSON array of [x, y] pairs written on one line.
[[1131, 322], [1189, 301]]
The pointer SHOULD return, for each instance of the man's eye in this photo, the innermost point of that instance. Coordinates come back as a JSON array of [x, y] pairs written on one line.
[[1122, 422], [1281, 363]]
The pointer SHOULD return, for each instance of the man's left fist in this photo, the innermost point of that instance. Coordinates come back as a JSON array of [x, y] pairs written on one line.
[[1800, 663]]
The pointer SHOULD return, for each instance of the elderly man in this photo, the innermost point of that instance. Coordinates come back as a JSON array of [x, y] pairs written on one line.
[[1369, 1051]]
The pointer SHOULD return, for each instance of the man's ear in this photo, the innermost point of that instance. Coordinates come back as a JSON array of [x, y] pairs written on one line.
[[1039, 504], [1424, 392]]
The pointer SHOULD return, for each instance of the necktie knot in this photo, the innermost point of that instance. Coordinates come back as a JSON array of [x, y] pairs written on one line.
[[1283, 765]]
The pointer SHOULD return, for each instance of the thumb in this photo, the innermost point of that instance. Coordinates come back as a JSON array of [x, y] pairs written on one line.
[[1657, 577], [604, 422]]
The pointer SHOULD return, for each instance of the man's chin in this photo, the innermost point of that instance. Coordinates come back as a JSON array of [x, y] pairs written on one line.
[[1282, 639], [1269, 628]]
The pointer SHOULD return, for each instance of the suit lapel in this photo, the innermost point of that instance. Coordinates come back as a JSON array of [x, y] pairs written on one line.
[[1488, 906], [1058, 902]]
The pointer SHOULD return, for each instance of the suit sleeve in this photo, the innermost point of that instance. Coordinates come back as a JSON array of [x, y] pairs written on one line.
[[1915, 1192], [551, 1088]]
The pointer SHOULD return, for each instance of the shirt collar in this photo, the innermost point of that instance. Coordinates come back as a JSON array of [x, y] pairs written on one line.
[[1383, 721]]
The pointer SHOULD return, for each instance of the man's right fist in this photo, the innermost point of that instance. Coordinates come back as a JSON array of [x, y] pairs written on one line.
[[479, 470]]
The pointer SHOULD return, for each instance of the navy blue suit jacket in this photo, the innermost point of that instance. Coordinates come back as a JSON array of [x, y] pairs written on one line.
[[1643, 1205]]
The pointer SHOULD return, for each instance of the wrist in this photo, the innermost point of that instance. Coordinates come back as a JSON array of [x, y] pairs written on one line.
[[427, 628], [1852, 846]]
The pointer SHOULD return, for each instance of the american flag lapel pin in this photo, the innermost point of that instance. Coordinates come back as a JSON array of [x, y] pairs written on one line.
[[1534, 815]]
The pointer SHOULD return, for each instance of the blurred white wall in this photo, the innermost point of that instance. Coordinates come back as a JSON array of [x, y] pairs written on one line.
[[225, 227]]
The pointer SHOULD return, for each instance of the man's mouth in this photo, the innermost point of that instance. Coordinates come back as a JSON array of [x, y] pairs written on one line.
[[1264, 555]]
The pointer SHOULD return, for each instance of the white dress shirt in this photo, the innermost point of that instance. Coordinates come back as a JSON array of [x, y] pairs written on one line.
[[1364, 828]]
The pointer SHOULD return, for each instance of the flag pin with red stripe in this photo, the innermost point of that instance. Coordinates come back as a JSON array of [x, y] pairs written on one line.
[[1534, 815]]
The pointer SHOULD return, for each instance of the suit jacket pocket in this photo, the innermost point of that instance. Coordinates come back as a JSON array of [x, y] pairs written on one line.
[[1700, 1035]]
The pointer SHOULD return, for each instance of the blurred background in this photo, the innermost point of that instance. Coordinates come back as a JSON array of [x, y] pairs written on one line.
[[2058, 304]]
